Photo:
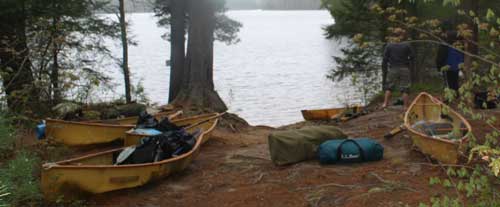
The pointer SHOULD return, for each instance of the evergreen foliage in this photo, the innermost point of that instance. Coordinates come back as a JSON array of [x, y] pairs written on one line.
[[64, 41]]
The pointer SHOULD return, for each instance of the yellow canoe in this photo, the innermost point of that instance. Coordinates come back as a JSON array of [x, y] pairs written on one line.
[[328, 114], [131, 120], [440, 147], [73, 133], [95, 173], [132, 138]]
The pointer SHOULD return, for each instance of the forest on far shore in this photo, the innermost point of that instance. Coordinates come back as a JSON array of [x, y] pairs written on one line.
[[148, 5]]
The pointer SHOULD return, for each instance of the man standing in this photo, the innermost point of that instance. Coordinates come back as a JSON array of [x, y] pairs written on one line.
[[448, 61], [398, 59]]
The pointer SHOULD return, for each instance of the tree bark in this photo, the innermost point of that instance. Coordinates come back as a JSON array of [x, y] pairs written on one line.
[[198, 88], [15, 65], [54, 75], [125, 68], [177, 47]]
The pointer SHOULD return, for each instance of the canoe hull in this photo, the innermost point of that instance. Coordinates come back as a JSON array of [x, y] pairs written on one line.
[[427, 108], [321, 114], [326, 114], [79, 134], [96, 173], [70, 182], [91, 133], [445, 152]]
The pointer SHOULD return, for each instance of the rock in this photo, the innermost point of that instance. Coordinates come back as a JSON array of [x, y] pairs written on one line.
[[177, 188], [68, 110], [91, 115], [133, 109], [415, 169], [110, 113]]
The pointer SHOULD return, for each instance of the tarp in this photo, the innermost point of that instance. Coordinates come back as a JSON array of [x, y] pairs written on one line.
[[292, 146]]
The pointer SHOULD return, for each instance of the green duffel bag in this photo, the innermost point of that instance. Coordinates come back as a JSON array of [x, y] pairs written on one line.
[[350, 151], [292, 146]]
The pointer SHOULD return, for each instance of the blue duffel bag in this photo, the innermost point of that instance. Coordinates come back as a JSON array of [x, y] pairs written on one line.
[[350, 151]]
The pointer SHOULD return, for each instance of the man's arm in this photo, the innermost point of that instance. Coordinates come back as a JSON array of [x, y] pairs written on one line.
[[385, 59], [441, 57], [412, 58]]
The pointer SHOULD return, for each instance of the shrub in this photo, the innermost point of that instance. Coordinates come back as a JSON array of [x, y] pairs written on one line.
[[19, 177], [3, 194], [7, 138]]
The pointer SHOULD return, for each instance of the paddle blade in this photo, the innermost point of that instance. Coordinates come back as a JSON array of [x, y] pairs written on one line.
[[125, 154], [394, 132]]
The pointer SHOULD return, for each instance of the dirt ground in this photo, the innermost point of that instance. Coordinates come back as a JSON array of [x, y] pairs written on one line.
[[234, 169]]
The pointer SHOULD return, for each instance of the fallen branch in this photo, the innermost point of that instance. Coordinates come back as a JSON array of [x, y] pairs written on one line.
[[330, 185], [435, 165], [258, 179], [392, 184]]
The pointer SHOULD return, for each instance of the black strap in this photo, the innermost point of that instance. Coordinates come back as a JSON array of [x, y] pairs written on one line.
[[339, 149]]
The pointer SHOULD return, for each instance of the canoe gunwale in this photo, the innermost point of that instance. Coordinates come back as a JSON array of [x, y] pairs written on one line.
[[439, 103], [103, 122], [206, 116], [89, 124], [61, 164]]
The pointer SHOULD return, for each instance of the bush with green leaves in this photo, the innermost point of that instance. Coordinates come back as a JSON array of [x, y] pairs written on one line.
[[475, 183], [7, 138], [20, 180], [478, 26]]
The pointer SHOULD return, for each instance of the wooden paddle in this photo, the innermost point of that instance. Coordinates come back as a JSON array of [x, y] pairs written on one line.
[[395, 131], [175, 115], [204, 121]]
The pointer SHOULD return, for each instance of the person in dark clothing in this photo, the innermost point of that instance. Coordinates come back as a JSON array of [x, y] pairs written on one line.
[[448, 61], [397, 61]]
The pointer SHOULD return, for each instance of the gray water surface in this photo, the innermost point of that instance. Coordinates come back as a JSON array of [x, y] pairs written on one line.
[[277, 69]]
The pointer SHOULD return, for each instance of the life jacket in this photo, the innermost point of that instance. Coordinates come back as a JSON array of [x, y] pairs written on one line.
[[454, 59]]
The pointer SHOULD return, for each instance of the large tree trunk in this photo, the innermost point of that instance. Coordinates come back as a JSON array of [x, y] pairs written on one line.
[[198, 88], [54, 75], [15, 65], [125, 68], [177, 46]]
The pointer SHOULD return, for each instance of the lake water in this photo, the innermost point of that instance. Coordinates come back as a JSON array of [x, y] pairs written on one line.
[[277, 69]]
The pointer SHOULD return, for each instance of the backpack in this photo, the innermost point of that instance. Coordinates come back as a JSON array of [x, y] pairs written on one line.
[[146, 120], [165, 125], [481, 101], [163, 146]]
